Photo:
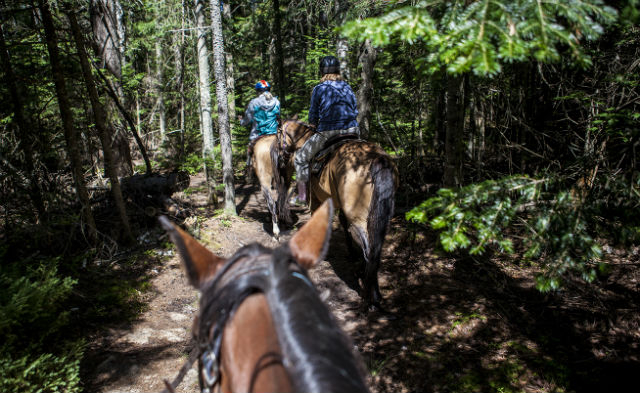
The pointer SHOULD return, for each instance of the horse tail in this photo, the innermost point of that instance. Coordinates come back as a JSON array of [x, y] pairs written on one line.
[[383, 177], [282, 181]]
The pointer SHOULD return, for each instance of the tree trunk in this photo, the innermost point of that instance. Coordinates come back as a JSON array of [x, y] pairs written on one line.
[[25, 136], [342, 51], [437, 117], [162, 121], [108, 32], [179, 76], [70, 134], [100, 119], [128, 119], [231, 83], [206, 123], [223, 108], [277, 32], [454, 142], [365, 93]]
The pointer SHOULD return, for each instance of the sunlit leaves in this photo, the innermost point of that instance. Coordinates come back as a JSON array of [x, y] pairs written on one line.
[[480, 215], [479, 36]]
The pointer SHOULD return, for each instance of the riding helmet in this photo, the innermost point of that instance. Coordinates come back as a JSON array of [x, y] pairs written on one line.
[[263, 85], [329, 65]]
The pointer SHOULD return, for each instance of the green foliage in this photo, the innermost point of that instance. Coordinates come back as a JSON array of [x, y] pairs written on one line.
[[193, 164], [31, 320], [481, 35], [41, 373], [31, 301], [479, 215]]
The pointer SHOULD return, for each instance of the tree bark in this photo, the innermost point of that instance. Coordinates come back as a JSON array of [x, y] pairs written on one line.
[[100, 119], [206, 124], [342, 51], [127, 117], [277, 32], [179, 76], [231, 82], [70, 134], [438, 112], [162, 119], [108, 32], [223, 108], [365, 93], [454, 142], [25, 139]]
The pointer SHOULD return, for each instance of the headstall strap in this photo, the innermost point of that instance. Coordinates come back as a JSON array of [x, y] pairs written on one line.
[[210, 361]]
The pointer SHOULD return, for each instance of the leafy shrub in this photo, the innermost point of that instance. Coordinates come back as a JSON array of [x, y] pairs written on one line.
[[33, 357], [41, 373], [479, 215]]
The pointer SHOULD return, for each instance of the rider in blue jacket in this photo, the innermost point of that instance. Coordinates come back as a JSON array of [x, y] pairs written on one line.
[[333, 111], [262, 114]]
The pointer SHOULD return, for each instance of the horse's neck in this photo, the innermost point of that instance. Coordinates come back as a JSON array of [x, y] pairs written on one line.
[[304, 133], [251, 355]]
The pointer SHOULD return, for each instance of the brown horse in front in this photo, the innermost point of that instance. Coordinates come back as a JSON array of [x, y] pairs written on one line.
[[274, 177], [262, 326], [361, 179]]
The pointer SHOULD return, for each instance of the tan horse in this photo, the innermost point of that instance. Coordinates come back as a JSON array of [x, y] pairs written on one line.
[[262, 326], [361, 179], [274, 180]]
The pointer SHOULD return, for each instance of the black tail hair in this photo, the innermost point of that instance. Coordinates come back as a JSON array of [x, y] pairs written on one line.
[[282, 180], [383, 176]]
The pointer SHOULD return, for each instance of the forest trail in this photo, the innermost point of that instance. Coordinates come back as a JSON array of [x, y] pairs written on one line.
[[465, 324]]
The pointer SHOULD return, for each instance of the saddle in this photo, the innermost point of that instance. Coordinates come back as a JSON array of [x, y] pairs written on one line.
[[330, 146], [253, 143]]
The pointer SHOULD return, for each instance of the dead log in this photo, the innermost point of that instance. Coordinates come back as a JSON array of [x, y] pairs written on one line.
[[151, 193]]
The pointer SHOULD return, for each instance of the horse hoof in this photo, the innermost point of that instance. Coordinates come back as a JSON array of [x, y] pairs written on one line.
[[378, 313]]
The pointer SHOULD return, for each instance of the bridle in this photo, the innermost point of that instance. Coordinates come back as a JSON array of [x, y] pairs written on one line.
[[222, 296]]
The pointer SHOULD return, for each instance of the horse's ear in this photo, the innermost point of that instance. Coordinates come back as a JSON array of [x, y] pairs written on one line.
[[295, 117], [200, 263], [309, 245]]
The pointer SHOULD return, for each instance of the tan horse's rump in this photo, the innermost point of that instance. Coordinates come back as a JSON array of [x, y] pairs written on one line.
[[361, 178], [274, 181]]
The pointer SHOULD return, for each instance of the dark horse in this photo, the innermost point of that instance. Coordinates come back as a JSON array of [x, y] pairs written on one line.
[[274, 177], [361, 179], [262, 326]]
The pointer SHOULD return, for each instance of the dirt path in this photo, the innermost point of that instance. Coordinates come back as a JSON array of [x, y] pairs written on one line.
[[465, 325]]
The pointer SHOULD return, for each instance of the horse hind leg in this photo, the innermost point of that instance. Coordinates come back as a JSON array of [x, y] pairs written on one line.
[[271, 205], [344, 222], [350, 233]]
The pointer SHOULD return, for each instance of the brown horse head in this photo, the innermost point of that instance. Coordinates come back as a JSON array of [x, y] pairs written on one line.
[[261, 325], [293, 134]]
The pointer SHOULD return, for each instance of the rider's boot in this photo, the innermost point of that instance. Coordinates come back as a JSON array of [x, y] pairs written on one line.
[[302, 192]]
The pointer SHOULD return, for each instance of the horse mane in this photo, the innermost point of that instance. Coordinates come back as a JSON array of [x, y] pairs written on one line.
[[300, 318], [316, 365]]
